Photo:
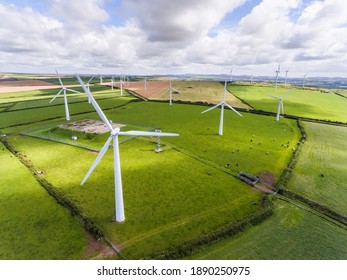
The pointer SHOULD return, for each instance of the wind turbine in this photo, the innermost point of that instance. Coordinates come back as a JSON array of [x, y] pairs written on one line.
[[64, 90], [277, 73], [285, 79], [171, 89], [146, 84], [304, 80], [114, 133], [121, 83], [112, 82], [100, 79], [280, 104], [231, 75], [222, 104]]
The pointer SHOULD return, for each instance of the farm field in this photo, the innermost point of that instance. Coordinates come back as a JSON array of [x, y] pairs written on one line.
[[182, 194], [321, 170], [28, 231], [291, 233], [301, 103]]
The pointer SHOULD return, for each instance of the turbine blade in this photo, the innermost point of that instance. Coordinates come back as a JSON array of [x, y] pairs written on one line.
[[97, 160], [233, 109], [175, 90], [274, 96], [164, 91], [73, 90], [209, 109], [90, 79], [289, 91], [282, 108], [61, 83], [95, 104], [56, 95], [146, 133]]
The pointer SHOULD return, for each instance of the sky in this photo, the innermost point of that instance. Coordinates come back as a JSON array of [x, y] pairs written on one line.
[[148, 37]]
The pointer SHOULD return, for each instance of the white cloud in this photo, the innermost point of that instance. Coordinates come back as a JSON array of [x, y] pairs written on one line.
[[162, 36]]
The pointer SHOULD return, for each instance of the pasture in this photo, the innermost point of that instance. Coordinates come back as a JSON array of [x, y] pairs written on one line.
[[306, 103], [185, 193], [291, 233], [321, 170]]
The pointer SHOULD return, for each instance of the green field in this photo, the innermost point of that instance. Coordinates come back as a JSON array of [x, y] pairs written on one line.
[[321, 171], [290, 234], [33, 225], [313, 104], [190, 190]]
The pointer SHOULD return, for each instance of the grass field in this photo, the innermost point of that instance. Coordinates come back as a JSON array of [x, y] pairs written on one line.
[[162, 207], [290, 234], [190, 189], [321, 171], [302, 103], [30, 232]]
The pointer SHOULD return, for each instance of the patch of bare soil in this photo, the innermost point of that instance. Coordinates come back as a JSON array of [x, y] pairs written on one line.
[[267, 182], [97, 250], [89, 126]]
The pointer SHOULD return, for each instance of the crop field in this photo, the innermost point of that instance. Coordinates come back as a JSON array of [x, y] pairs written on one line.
[[313, 104], [181, 195], [321, 170], [291, 233]]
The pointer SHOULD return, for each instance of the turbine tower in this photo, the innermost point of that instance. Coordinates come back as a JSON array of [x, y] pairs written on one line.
[[112, 82], [231, 75], [285, 79], [64, 90], [304, 80], [222, 104], [280, 104], [146, 84], [101, 79], [171, 89], [114, 133], [277, 73], [121, 83]]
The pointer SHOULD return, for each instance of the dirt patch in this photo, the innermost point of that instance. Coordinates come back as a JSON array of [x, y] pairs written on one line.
[[267, 181], [89, 126], [97, 250]]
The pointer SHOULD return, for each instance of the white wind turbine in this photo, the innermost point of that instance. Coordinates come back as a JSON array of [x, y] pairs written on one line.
[[222, 104], [285, 79], [101, 79], [304, 80], [114, 133], [64, 90], [231, 74], [280, 104], [171, 89], [277, 73], [146, 84], [112, 82], [121, 83]]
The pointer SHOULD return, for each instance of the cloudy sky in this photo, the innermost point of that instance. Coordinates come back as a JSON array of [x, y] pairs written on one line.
[[174, 36]]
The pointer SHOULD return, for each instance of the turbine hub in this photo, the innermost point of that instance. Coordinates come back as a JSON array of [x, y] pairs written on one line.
[[115, 131]]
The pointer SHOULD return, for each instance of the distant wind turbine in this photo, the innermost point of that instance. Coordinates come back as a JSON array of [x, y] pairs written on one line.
[[277, 73], [170, 89], [121, 83], [64, 90], [285, 79], [112, 82], [222, 104], [280, 104], [146, 84], [231, 75], [304, 80], [114, 133]]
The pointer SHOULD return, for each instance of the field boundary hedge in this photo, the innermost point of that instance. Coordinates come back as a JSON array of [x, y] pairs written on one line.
[[188, 248], [60, 197]]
